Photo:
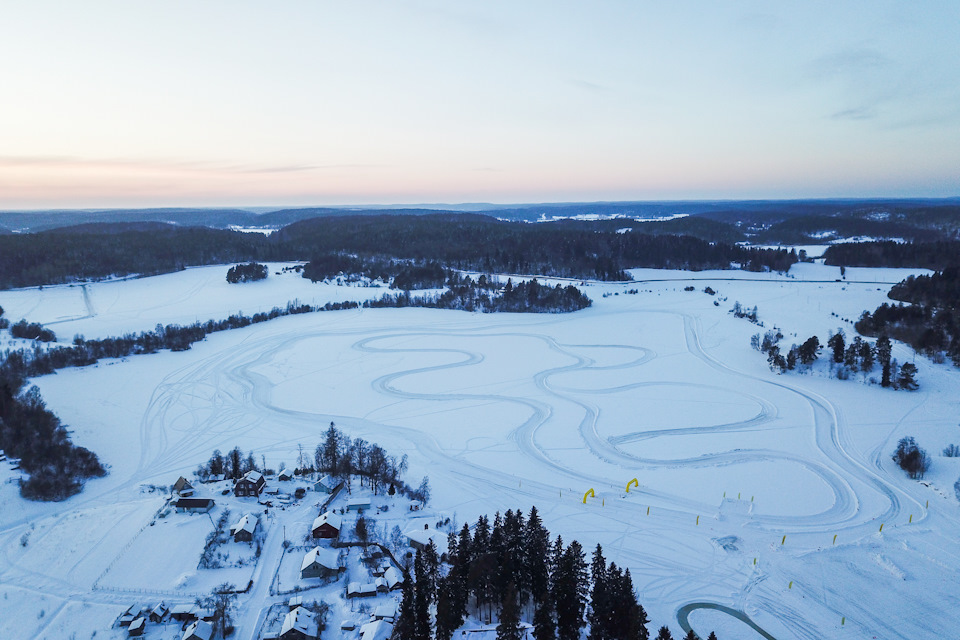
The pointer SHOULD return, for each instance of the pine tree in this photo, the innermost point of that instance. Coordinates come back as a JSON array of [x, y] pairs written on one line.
[[712, 636], [884, 351], [544, 624], [405, 628], [535, 548], [908, 377], [422, 627], [664, 634], [509, 627], [600, 599], [691, 636], [836, 342], [866, 356], [571, 586], [635, 619], [449, 615]]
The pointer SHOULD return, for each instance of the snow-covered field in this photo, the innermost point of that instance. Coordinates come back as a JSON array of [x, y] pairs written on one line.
[[505, 411]]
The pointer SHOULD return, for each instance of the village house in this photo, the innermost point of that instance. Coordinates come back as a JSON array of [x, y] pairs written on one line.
[[421, 538], [251, 484], [159, 612], [386, 611], [193, 505], [131, 614], [376, 630], [327, 525], [327, 484], [285, 475], [137, 626], [244, 529], [182, 487], [394, 578], [364, 590], [320, 562], [299, 624], [198, 630]]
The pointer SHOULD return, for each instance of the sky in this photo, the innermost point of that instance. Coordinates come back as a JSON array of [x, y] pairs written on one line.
[[309, 102]]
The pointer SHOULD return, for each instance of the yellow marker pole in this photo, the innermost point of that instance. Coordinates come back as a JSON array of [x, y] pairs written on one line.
[[928, 504], [603, 502], [751, 498], [724, 494], [784, 540], [648, 510], [835, 538], [911, 518], [698, 520], [843, 621], [881, 528], [738, 495], [790, 586], [754, 562]]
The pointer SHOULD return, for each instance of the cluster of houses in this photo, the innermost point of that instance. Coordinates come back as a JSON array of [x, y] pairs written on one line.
[[135, 619]]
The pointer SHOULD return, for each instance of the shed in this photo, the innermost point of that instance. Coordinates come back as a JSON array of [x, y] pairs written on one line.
[[358, 504], [357, 590], [285, 475], [244, 529], [320, 562], [184, 612], [294, 602], [327, 525], [193, 505], [299, 624], [198, 630]]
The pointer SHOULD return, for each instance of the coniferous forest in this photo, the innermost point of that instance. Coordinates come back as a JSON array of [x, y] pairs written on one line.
[[510, 571], [462, 241]]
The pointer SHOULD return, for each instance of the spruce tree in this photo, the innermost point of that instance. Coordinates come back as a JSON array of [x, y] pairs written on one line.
[[600, 599], [535, 548], [405, 627], [422, 627], [691, 636], [836, 342], [544, 624], [884, 351], [712, 636], [664, 634], [509, 626]]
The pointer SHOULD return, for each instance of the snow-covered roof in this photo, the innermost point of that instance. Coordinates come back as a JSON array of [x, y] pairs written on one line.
[[181, 609], [355, 588], [285, 473], [198, 629], [329, 482], [424, 536], [386, 610], [393, 577], [330, 518], [139, 623], [301, 620], [247, 523], [377, 630], [358, 502], [253, 476], [326, 558]]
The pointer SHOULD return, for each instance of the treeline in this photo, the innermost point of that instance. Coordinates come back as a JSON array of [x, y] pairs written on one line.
[[462, 241], [399, 274], [29, 431], [175, 337], [338, 455], [480, 243], [512, 571], [32, 331], [468, 295], [846, 360], [249, 272], [917, 255], [931, 324]]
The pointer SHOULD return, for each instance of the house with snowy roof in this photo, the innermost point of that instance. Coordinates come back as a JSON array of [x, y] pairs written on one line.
[[327, 525], [376, 630], [193, 505], [198, 630], [320, 562], [251, 484], [182, 487], [421, 538], [327, 484], [299, 624], [244, 529]]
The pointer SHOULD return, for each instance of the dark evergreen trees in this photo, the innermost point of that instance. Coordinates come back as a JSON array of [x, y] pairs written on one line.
[[884, 351], [509, 626], [248, 272], [836, 343], [664, 634]]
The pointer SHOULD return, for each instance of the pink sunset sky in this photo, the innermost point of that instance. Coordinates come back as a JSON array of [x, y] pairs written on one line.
[[217, 103]]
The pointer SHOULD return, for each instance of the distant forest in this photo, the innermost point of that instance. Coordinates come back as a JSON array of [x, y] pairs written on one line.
[[463, 241], [931, 324], [921, 255]]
